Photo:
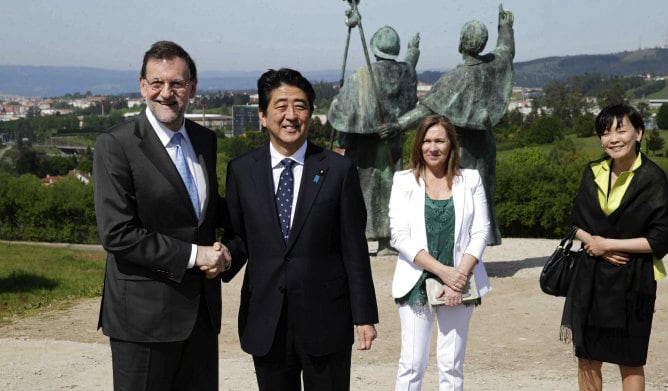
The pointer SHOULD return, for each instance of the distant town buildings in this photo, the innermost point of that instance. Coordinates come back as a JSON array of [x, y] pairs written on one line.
[[243, 118], [81, 176]]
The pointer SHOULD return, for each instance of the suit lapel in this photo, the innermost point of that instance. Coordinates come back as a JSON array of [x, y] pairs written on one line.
[[263, 182], [314, 176], [157, 154]]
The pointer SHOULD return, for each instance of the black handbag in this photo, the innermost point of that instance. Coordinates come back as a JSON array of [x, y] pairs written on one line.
[[559, 269]]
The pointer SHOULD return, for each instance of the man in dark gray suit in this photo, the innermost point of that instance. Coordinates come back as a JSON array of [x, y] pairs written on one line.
[[157, 208], [299, 210]]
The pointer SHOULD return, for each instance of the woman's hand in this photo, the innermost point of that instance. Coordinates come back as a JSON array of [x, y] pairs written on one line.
[[597, 246], [452, 297], [453, 278]]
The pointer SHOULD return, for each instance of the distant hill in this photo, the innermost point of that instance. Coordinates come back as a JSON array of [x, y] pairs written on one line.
[[537, 73], [47, 81]]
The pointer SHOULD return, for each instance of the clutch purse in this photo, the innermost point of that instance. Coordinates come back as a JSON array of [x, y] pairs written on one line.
[[434, 285]]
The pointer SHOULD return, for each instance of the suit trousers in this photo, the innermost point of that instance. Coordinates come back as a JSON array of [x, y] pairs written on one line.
[[283, 367], [190, 365], [416, 330]]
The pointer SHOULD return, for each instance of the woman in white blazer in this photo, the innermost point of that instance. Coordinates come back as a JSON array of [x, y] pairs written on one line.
[[439, 226]]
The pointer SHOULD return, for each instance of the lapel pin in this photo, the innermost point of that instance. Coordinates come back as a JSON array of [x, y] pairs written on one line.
[[316, 178]]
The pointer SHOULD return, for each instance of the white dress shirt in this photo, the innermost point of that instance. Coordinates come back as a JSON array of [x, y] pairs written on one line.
[[297, 169]]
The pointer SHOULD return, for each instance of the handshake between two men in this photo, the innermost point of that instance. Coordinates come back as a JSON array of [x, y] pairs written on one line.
[[213, 260]]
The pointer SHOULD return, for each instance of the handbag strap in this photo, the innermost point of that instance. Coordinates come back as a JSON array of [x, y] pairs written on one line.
[[567, 242]]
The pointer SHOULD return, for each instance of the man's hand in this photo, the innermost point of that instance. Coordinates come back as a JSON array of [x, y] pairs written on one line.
[[213, 260], [390, 130], [366, 333]]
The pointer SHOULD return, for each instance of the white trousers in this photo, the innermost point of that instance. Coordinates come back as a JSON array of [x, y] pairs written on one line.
[[416, 330]]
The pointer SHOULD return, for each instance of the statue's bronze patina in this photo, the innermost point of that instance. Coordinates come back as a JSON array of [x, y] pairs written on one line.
[[360, 107], [474, 96]]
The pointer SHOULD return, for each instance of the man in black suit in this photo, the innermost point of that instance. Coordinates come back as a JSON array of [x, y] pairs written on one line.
[[308, 277], [157, 208]]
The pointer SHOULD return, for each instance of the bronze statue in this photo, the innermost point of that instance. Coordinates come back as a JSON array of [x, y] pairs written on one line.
[[374, 94], [474, 96]]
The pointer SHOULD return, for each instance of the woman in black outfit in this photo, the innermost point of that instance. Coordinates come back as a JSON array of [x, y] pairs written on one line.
[[621, 210]]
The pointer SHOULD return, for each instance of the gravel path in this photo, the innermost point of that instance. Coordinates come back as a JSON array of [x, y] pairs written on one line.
[[513, 342]]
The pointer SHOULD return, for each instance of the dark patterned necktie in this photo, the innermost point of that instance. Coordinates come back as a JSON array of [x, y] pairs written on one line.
[[184, 171], [284, 196]]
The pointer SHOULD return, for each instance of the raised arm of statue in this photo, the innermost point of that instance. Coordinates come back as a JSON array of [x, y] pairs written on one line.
[[413, 52], [506, 37], [505, 17]]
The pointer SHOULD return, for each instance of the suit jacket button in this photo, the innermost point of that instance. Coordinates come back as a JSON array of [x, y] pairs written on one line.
[[281, 290]]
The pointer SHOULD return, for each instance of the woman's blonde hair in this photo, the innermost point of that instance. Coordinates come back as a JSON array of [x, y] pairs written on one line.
[[417, 163]]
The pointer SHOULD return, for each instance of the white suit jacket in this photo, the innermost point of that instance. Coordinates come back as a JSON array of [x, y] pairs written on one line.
[[409, 235]]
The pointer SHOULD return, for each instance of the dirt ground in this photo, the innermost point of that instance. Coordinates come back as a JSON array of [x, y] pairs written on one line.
[[513, 341]]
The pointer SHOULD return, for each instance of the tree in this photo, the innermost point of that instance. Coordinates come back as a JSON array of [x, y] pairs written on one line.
[[563, 101], [583, 126], [643, 109], [534, 190], [654, 141], [544, 131], [612, 96], [27, 161], [662, 117]]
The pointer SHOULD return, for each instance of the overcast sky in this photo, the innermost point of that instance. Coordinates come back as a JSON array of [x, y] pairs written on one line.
[[310, 34]]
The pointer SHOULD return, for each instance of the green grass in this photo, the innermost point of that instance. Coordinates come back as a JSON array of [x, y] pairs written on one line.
[[35, 277], [663, 94]]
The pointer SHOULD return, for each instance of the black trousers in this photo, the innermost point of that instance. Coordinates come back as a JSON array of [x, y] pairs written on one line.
[[285, 364], [190, 365]]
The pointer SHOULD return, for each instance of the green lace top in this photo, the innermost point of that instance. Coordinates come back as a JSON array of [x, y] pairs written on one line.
[[439, 219]]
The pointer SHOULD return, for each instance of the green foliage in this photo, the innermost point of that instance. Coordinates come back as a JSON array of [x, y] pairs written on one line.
[[613, 95], [654, 142], [229, 148], [33, 277], [564, 101], [662, 117], [98, 123], [62, 212], [648, 88], [28, 160], [50, 125], [319, 133], [583, 126], [544, 131], [324, 92], [534, 190]]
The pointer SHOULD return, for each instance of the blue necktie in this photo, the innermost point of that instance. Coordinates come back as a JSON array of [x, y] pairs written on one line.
[[284, 196], [184, 171]]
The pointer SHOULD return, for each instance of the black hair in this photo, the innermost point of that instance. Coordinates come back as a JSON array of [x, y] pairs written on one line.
[[273, 79], [609, 114]]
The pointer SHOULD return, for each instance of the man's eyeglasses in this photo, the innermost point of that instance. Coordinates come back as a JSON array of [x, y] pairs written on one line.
[[176, 85]]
